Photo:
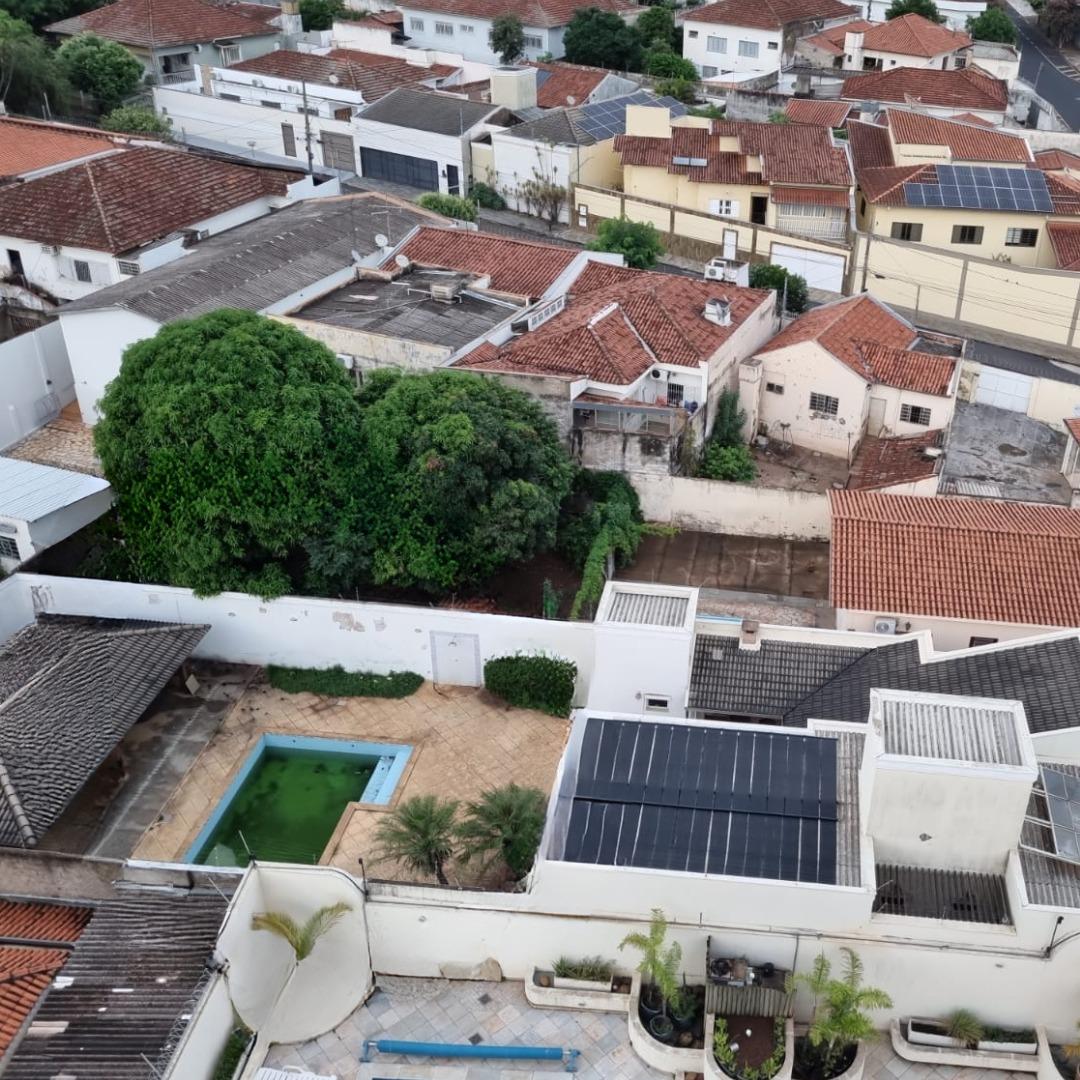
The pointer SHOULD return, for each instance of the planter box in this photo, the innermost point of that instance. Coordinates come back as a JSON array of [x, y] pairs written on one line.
[[939, 1036], [1008, 1047], [712, 1067], [668, 1059], [598, 998], [562, 983], [960, 1057]]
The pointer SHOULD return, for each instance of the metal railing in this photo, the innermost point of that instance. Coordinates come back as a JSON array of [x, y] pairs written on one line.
[[816, 228], [171, 78]]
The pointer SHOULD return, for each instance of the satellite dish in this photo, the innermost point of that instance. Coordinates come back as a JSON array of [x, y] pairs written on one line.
[[381, 240], [402, 261]]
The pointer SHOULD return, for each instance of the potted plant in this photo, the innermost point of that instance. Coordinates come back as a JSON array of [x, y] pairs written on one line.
[[589, 973], [1008, 1041], [726, 1053], [659, 966], [838, 1021], [964, 1026]]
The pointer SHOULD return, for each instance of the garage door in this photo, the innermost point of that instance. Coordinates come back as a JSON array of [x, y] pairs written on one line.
[[400, 168], [1005, 389], [821, 270]]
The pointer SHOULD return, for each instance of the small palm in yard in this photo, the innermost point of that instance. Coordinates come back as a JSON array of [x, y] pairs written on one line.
[[420, 834], [839, 1020], [506, 822], [301, 936]]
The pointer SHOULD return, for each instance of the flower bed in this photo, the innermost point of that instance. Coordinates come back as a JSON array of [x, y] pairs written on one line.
[[767, 1054]]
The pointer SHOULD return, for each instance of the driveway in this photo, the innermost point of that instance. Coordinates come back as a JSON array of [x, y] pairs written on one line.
[[1045, 68]]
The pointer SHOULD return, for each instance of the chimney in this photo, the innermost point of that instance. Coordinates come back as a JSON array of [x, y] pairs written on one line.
[[853, 50], [748, 635], [718, 310], [291, 25], [513, 87]]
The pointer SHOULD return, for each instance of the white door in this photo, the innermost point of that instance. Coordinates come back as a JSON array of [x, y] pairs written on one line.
[[455, 658], [731, 243], [821, 270], [1005, 389], [876, 420]]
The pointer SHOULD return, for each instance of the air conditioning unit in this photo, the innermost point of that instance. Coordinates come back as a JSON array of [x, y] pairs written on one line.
[[884, 625], [656, 373], [732, 271], [445, 293], [50, 249]]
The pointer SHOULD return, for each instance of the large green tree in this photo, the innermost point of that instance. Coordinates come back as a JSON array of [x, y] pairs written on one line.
[[992, 25], [602, 39], [39, 13], [507, 37], [464, 476], [1060, 21], [137, 120], [656, 25], [638, 242], [231, 442], [926, 8], [102, 68], [320, 14], [29, 73]]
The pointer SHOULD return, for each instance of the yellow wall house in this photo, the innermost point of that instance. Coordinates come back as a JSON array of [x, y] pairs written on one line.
[[963, 188], [793, 177]]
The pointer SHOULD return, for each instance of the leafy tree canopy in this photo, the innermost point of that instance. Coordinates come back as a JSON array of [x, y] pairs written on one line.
[[137, 120], [104, 69], [29, 72], [320, 14], [464, 475], [657, 24], [926, 8], [666, 65], [507, 38], [39, 13], [637, 241], [992, 25], [230, 441], [1060, 21], [769, 276], [602, 39]]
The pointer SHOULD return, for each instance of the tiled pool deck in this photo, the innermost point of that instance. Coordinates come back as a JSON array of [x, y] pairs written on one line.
[[464, 743], [435, 1010]]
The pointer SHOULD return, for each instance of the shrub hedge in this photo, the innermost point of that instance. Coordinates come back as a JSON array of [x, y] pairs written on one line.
[[337, 682], [532, 682], [451, 206]]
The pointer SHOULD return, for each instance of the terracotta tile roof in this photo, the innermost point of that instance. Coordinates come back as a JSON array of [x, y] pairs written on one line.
[[27, 969], [29, 145], [373, 74], [1064, 193], [613, 333], [799, 154], [841, 327], [565, 84], [93, 205], [885, 187], [908, 369], [971, 118], [768, 14], [964, 89], [805, 196], [831, 39], [538, 13], [914, 35], [830, 114], [954, 558], [521, 267], [1054, 159], [1072, 425], [966, 143], [169, 22], [883, 462], [870, 146], [1065, 240]]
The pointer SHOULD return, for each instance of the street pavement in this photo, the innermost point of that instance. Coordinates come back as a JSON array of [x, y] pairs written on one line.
[[1048, 71]]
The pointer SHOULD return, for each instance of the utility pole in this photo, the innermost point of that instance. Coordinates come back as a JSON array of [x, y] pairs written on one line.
[[307, 129]]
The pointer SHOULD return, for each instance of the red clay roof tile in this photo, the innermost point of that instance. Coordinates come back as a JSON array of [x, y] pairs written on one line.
[[908, 35], [883, 462], [1054, 159], [955, 558], [1072, 425], [566, 84], [967, 88], [768, 14], [168, 22], [908, 369], [966, 143], [538, 13], [830, 114], [1065, 240], [29, 145], [870, 146]]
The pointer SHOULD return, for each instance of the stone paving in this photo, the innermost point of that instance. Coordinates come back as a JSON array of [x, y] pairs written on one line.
[[464, 743], [435, 1010], [65, 443], [884, 1064]]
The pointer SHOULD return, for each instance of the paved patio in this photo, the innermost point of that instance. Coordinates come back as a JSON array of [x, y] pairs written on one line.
[[464, 743]]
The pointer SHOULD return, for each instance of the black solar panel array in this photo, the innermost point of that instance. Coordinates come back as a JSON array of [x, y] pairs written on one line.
[[982, 187], [705, 800], [606, 119]]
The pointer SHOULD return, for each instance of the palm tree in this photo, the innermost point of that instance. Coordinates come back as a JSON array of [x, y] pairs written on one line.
[[506, 822], [420, 833], [838, 1018], [303, 937], [659, 965]]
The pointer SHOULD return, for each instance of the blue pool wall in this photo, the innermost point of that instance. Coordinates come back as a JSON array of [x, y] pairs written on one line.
[[392, 759]]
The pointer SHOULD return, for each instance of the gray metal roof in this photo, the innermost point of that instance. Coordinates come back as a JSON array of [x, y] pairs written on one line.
[[29, 492], [403, 308], [1023, 363], [956, 730], [136, 974], [261, 263], [70, 689], [441, 114], [585, 125], [953, 895], [647, 609]]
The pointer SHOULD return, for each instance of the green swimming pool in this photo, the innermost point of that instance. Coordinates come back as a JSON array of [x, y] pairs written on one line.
[[288, 798]]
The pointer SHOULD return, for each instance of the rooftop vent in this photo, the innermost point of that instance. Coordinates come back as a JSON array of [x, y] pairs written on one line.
[[749, 638], [446, 292], [718, 311], [648, 609]]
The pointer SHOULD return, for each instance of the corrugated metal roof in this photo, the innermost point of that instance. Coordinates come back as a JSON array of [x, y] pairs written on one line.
[[29, 491], [648, 609], [953, 731], [954, 895]]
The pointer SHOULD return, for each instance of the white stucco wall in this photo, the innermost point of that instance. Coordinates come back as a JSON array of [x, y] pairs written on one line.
[[947, 633], [941, 410], [442, 149], [695, 48], [35, 381], [469, 36], [205, 1036], [955, 13]]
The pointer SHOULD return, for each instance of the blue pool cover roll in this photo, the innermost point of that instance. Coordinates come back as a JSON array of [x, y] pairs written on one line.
[[468, 1050]]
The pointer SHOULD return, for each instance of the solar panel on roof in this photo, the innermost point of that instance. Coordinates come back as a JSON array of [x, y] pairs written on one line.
[[980, 187], [1062, 793]]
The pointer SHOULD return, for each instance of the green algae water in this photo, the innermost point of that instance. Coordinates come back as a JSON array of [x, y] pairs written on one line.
[[288, 807]]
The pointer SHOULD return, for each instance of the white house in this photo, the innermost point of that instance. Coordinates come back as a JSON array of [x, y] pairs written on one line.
[[955, 13], [40, 506], [464, 25], [908, 41], [78, 229], [844, 370], [735, 40]]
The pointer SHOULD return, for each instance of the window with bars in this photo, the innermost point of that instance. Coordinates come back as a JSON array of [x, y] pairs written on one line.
[[8, 548], [533, 41], [675, 392], [1021, 237], [774, 387], [126, 266], [416, 24], [444, 29], [749, 49], [824, 403], [708, 71], [915, 414], [967, 234], [906, 230], [230, 54], [716, 44]]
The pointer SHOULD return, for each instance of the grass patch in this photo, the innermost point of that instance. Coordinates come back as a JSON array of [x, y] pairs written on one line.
[[337, 682]]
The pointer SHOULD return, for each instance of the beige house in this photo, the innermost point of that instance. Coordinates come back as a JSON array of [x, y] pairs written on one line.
[[844, 371], [909, 41]]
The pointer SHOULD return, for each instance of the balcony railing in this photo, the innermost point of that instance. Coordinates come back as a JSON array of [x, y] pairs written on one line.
[[661, 421], [171, 78], [815, 228]]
